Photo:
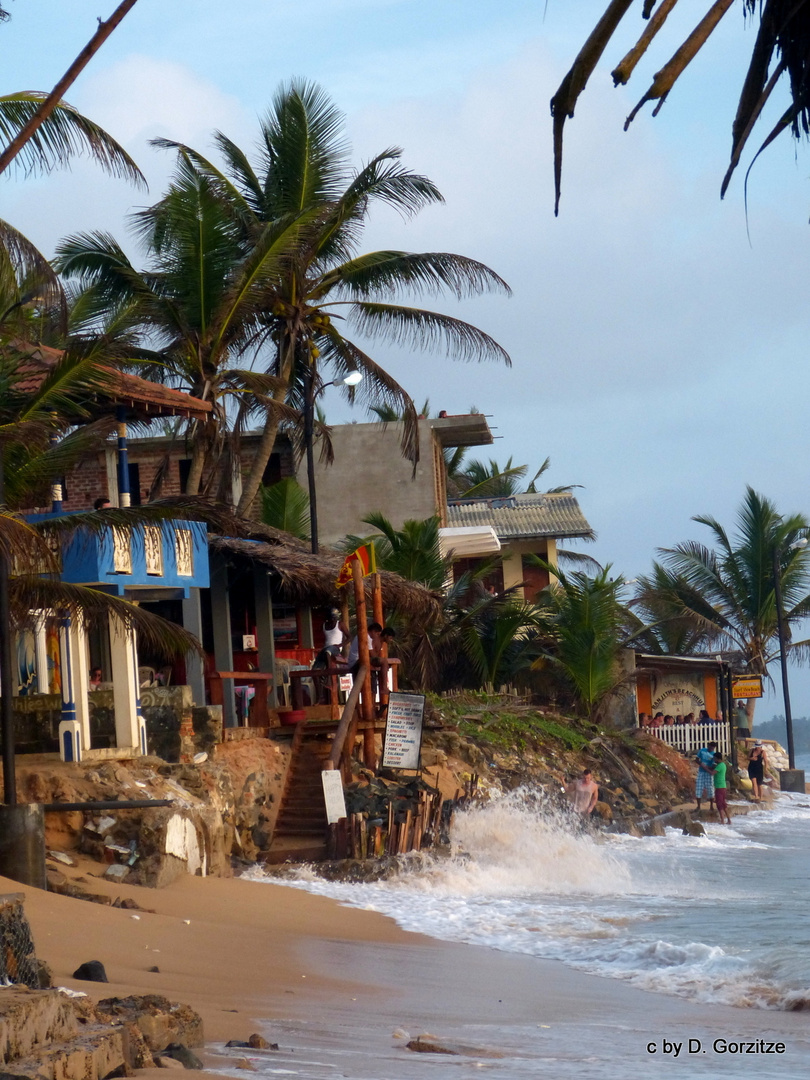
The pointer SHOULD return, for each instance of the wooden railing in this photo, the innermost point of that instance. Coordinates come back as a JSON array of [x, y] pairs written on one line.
[[341, 741]]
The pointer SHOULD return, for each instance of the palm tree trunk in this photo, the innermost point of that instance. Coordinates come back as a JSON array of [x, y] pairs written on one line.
[[70, 76], [197, 463], [250, 487]]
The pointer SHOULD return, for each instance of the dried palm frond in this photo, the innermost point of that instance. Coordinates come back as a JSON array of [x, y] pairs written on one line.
[[782, 48]]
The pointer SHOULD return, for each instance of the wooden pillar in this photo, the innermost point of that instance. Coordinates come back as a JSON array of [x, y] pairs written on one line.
[[369, 748], [363, 655], [223, 646], [264, 627], [192, 621]]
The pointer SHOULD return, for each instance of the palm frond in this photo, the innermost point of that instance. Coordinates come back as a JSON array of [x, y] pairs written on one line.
[[428, 331], [63, 135]]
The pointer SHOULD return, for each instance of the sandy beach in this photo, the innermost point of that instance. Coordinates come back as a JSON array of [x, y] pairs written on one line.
[[313, 975]]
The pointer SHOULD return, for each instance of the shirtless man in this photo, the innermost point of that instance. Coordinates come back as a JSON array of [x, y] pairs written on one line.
[[583, 793]]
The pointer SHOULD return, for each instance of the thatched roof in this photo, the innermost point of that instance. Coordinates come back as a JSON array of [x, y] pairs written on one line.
[[307, 578], [143, 400]]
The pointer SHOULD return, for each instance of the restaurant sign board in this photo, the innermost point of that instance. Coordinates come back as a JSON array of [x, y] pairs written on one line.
[[746, 686], [403, 731]]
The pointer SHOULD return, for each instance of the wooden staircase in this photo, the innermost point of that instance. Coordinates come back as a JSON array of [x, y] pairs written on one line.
[[300, 831]]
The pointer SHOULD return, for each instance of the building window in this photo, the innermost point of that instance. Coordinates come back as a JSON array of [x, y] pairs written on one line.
[[184, 552], [122, 551], [272, 473], [153, 550], [183, 468], [134, 484]]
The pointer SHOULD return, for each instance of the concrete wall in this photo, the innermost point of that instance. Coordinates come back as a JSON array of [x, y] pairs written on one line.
[[369, 473]]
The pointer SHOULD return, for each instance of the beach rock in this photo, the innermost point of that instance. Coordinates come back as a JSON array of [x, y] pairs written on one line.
[[602, 810], [159, 1020], [429, 1046], [243, 1063], [256, 1042], [237, 1044], [694, 828], [164, 1062], [91, 971], [182, 1054], [652, 827]]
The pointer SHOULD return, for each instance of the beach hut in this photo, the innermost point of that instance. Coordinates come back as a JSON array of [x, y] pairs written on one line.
[[142, 564]]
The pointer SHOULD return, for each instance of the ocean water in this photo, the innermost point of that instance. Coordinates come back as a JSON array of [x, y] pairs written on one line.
[[720, 920]]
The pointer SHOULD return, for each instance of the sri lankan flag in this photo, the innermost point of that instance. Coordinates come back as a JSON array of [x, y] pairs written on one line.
[[367, 560]]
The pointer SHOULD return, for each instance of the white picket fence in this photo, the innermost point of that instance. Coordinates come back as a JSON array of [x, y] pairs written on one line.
[[689, 738]]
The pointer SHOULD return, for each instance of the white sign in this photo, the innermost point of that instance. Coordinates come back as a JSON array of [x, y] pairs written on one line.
[[333, 795], [403, 731]]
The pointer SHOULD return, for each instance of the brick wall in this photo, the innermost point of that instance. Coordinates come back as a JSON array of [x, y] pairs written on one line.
[[88, 481]]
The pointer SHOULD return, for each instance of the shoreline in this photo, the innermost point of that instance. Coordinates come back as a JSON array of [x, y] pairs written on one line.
[[306, 972]]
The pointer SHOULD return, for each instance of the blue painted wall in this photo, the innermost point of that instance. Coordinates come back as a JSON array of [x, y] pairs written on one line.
[[87, 559]]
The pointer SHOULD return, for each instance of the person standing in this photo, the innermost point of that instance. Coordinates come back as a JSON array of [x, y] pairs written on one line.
[[742, 721], [704, 783], [335, 633], [583, 794], [721, 788], [757, 764]]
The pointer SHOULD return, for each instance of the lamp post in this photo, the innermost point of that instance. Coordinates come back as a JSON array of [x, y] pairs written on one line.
[[780, 627], [310, 394]]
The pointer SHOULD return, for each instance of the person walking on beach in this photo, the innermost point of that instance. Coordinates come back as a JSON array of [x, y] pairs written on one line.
[[583, 794], [721, 788], [704, 784], [757, 764]]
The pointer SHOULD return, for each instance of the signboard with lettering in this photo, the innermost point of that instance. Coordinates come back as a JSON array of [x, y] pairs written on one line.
[[333, 795], [746, 686], [403, 731]]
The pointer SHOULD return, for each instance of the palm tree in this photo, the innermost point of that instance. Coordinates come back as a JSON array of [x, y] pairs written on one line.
[[38, 441], [780, 52], [302, 175], [285, 506], [200, 304], [726, 592], [584, 618], [487, 480], [413, 551]]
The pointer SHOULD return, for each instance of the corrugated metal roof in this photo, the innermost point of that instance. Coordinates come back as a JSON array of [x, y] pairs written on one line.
[[522, 517]]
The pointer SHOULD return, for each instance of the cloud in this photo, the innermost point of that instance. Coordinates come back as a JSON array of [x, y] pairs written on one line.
[[135, 100]]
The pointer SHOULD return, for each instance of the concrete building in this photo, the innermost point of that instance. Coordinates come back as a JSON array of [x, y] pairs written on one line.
[[370, 474], [525, 525]]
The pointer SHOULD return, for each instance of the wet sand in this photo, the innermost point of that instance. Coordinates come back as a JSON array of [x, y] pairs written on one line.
[[337, 982]]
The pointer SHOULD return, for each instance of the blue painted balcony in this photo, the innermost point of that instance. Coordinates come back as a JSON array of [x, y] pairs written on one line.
[[167, 555]]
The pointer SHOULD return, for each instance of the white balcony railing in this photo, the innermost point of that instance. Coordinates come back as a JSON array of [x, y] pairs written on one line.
[[689, 738]]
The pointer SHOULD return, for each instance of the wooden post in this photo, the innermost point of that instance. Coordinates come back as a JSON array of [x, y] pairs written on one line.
[[376, 598], [367, 704]]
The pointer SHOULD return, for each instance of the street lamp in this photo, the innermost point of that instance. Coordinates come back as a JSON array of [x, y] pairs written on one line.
[[780, 626], [352, 379]]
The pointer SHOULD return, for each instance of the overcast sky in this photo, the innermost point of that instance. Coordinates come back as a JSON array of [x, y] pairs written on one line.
[[659, 341]]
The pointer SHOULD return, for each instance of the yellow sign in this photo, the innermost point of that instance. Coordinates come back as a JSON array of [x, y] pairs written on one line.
[[746, 686]]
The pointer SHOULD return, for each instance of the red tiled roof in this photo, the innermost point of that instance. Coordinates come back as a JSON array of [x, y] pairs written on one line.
[[144, 399]]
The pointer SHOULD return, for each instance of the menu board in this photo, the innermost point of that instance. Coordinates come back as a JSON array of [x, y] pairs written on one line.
[[403, 731], [333, 795]]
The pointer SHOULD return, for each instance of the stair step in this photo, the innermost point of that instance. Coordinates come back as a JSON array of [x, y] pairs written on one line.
[[301, 831]]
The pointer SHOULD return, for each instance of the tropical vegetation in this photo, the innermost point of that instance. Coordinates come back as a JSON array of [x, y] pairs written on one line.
[[722, 596], [254, 277]]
